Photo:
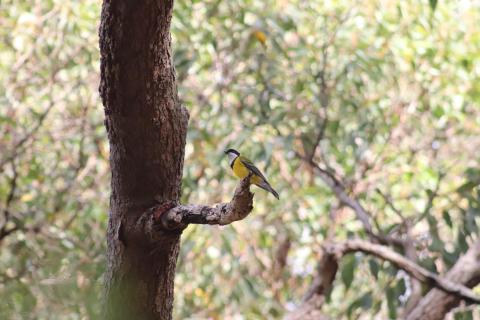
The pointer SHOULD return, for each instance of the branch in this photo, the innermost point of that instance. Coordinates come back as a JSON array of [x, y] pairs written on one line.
[[416, 271], [339, 189], [341, 193], [4, 232], [27, 137], [436, 303], [409, 251], [178, 217], [312, 302], [328, 266], [406, 243]]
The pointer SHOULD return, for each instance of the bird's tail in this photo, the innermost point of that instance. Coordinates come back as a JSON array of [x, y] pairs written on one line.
[[266, 186]]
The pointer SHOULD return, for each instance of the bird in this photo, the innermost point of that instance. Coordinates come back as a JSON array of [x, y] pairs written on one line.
[[241, 167]]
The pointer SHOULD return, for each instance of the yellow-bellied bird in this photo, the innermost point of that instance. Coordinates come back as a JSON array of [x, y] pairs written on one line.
[[241, 167]]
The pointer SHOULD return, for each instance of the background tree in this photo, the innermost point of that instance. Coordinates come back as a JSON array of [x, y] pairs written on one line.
[[397, 84]]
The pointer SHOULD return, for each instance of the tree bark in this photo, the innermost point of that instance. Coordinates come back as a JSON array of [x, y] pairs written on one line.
[[436, 304], [311, 307], [146, 128]]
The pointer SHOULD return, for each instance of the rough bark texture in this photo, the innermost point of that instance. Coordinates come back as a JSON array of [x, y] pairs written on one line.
[[222, 213], [146, 128], [436, 304]]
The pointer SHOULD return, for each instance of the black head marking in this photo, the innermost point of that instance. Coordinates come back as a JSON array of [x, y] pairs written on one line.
[[232, 151]]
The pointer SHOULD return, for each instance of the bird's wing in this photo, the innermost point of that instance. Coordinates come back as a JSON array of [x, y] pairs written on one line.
[[250, 166]]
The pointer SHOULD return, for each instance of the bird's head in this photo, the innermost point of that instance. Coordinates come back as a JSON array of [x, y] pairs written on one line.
[[232, 154]]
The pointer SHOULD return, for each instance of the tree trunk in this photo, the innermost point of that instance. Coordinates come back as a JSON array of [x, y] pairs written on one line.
[[146, 128], [436, 304]]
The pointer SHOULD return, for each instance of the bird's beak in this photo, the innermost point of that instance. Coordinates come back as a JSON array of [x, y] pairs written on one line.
[[225, 151]]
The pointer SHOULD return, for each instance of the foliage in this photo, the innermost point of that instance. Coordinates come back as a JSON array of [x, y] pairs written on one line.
[[53, 164], [390, 91]]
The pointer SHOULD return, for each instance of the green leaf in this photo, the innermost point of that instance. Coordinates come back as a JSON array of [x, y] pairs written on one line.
[[438, 112], [365, 302], [473, 174], [462, 244], [437, 244], [467, 315], [428, 263], [470, 222], [400, 287], [449, 258], [348, 270], [467, 186], [373, 265], [447, 218], [392, 301]]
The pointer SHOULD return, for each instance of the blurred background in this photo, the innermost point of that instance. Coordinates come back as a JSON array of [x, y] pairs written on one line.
[[384, 94]]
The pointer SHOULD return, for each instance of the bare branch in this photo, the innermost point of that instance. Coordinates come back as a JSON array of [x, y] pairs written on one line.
[[406, 243], [4, 232], [432, 195], [339, 189], [362, 214], [28, 136], [416, 271], [409, 250], [313, 300], [321, 76], [328, 266], [180, 216], [436, 303], [388, 200], [411, 253], [326, 271]]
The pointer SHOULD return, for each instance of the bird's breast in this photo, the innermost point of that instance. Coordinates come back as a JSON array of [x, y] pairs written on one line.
[[239, 169]]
